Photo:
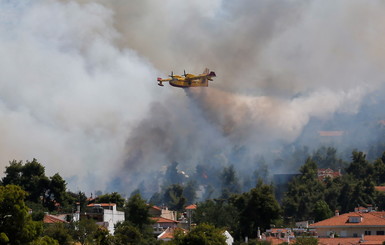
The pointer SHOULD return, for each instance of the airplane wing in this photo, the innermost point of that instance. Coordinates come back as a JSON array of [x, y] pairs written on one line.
[[161, 80], [164, 79], [207, 74]]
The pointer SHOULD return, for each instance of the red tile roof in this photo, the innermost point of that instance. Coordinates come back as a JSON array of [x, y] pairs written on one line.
[[368, 240], [375, 239], [163, 220], [276, 241], [367, 219], [192, 206], [51, 219], [169, 233], [156, 208], [380, 188], [339, 241]]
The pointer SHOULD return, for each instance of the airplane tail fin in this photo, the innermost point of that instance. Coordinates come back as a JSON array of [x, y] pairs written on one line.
[[208, 73], [160, 81]]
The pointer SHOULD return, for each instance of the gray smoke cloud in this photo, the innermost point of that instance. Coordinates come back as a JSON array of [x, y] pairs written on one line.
[[78, 80], [68, 94]]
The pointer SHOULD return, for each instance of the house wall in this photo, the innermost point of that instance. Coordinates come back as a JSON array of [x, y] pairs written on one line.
[[161, 227], [168, 214], [349, 231], [112, 217]]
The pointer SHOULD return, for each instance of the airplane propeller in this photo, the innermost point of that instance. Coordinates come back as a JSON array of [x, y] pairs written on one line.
[[184, 73], [172, 74]]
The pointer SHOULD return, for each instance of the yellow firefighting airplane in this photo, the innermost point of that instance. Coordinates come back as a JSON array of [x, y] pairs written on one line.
[[189, 80]]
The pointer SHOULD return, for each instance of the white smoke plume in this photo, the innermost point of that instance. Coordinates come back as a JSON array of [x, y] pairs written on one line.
[[78, 80]]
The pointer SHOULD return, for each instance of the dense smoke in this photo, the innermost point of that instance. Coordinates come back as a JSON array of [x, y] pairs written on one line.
[[78, 82]]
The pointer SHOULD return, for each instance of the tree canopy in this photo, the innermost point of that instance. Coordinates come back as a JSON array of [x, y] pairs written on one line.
[[16, 224], [31, 178], [203, 234], [257, 208]]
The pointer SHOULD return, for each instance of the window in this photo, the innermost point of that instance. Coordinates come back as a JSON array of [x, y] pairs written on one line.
[[380, 233], [368, 233], [355, 219], [355, 235]]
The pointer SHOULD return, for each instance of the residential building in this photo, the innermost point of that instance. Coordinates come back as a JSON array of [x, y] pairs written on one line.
[[161, 224], [186, 218], [278, 234], [354, 224], [168, 235], [105, 214], [304, 224], [328, 173], [163, 212]]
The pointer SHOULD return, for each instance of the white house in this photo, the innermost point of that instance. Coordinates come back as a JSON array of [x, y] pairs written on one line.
[[105, 214], [229, 238]]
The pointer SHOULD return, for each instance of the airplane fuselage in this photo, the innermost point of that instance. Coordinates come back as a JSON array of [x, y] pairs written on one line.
[[185, 83]]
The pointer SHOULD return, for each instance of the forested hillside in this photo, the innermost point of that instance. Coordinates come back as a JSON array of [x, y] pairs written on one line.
[[224, 201]]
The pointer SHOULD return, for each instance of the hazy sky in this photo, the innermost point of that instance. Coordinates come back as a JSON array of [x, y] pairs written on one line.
[[78, 79]]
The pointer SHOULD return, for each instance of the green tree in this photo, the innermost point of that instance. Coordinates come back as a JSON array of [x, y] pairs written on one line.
[[156, 199], [84, 231], [203, 234], [345, 200], [322, 211], [45, 240], [60, 232], [218, 213], [137, 212], [326, 157], [257, 208], [230, 182], [127, 234], [56, 193], [173, 197], [189, 192], [13, 173], [306, 241], [379, 170], [77, 200], [16, 225], [114, 197], [303, 192], [103, 237], [31, 177], [360, 168], [332, 192]]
